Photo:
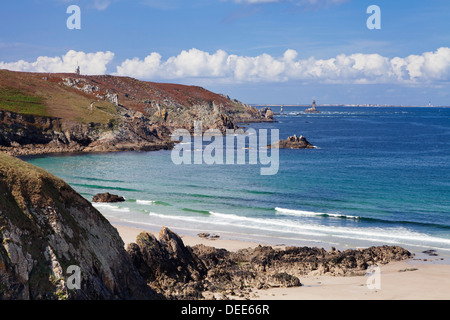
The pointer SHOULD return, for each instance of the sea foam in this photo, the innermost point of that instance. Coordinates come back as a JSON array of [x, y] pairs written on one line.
[[312, 213]]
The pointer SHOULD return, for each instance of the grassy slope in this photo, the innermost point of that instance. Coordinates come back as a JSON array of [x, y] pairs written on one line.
[[29, 93], [43, 94]]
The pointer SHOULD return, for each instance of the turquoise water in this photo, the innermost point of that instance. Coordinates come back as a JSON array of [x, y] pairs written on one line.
[[378, 176]]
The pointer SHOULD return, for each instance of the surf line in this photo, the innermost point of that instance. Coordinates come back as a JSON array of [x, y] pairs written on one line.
[[240, 148]]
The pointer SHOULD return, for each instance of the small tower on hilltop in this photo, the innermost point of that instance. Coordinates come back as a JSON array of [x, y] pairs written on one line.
[[77, 70]]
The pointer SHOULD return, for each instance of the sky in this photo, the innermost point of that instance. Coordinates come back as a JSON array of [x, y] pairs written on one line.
[[257, 51]]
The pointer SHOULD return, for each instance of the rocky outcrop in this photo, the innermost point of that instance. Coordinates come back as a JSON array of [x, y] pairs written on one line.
[[107, 197], [48, 231], [28, 134], [19, 130], [86, 86], [293, 142], [224, 122], [267, 113], [182, 272], [237, 273], [168, 265]]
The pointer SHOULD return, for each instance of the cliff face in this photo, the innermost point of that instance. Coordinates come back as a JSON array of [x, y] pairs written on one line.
[[22, 134], [46, 227], [44, 113]]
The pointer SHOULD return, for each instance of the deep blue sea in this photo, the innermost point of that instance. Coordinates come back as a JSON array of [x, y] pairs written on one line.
[[377, 176]]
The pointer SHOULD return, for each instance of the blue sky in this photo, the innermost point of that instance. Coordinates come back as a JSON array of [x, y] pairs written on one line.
[[258, 51]]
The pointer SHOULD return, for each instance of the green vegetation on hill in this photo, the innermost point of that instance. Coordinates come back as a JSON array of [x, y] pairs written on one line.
[[16, 100], [44, 95]]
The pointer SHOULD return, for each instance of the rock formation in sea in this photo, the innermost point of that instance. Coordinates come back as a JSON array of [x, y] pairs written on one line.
[[48, 232], [293, 142], [107, 197], [267, 113], [312, 109]]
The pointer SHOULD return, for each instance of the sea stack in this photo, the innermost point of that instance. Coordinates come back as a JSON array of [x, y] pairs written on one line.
[[313, 108], [293, 142]]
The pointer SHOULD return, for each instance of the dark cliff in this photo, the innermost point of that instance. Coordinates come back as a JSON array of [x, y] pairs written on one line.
[[46, 227]]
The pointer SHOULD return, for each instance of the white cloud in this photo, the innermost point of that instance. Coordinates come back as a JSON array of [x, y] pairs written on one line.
[[90, 63], [354, 68], [220, 66]]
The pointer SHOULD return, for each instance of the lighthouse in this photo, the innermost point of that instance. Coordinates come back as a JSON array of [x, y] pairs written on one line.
[[313, 108]]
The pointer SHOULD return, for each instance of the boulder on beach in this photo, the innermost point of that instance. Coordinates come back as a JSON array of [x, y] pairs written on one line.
[[107, 197]]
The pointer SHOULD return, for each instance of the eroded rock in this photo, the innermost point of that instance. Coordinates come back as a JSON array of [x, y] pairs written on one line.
[[107, 197], [293, 142]]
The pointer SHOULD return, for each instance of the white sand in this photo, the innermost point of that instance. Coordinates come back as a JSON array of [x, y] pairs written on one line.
[[431, 281]]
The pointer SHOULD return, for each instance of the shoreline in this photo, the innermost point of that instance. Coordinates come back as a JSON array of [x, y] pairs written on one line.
[[37, 151], [242, 241], [412, 279]]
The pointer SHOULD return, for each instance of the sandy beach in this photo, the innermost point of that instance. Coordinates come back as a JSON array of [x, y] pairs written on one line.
[[414, 279]]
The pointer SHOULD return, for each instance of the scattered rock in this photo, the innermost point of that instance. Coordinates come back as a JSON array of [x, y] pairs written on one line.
[[408, 269], [431, 253], [209, 236], [203, 235]]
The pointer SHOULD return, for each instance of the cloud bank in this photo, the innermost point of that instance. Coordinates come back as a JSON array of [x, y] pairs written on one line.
[[354, 68], [222, 67], [90, 63]]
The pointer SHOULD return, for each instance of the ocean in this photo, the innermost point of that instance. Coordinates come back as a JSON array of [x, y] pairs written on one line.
[[378, 176]]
